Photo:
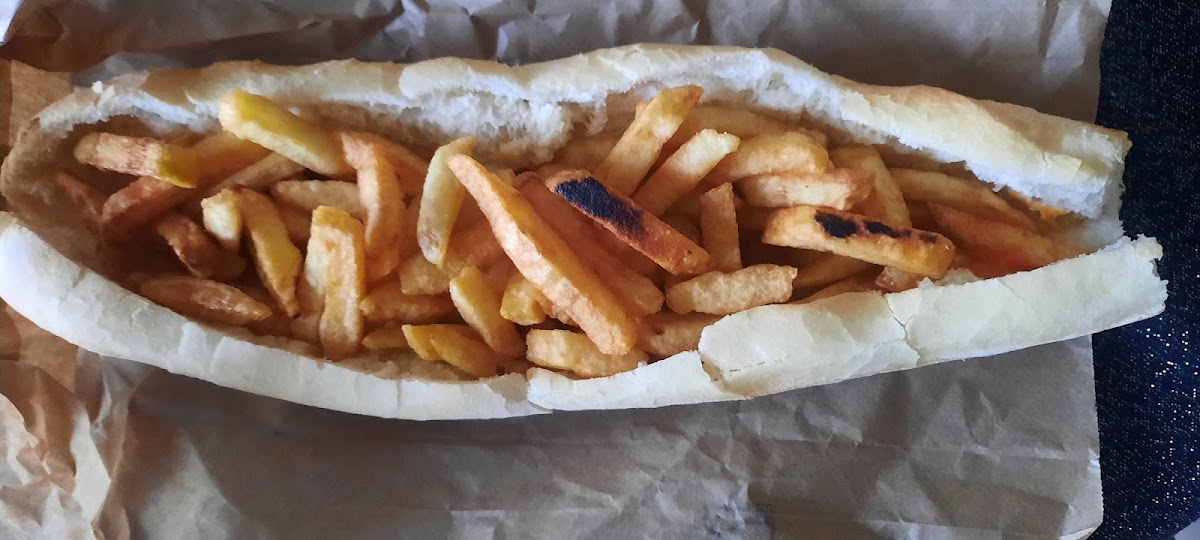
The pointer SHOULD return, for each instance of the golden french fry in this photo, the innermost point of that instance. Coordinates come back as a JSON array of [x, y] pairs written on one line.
[[410, 168], [667, 334], [684, 170], [139, 156], [87, 200], [854, 235], [522, 301], [407, 245], [722, 293], [557, 312], [585, 152], [455, 346], [827, 268], [770, 153], [380, 195], [479, 305], [441, 200], [473, 246], [223, 220], [278, 324], [419, 276], [388, 302], [719, 228], [417, 336], [686, 226], [342, 239], [966, 195], [196, 250], [637, 150], [838, 188], [297, 222], [571, 351], [275, 256], [636, 292], [259, 176], [740, 123], [204, 299], [856, 283], [309, 194], [542, 256], [498, 273], [631, 223], [307, 328], [892, 279], [1011, 245], [222, 153], [274, 127], [885, 202], [624, 252], [386, 337]]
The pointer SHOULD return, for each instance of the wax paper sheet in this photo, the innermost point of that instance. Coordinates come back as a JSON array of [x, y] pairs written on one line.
[[1000, 447]]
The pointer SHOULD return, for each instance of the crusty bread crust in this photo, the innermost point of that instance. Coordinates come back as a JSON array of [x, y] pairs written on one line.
[[53, 270]]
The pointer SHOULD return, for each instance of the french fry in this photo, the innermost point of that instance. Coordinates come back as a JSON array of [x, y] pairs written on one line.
[[204, 299], [624, 252], [1045, 211], [297, 222], [388, 302], [892, 279], [686, 226], [407, 245], [223, 220], [259, 176], [885, 201], [441, 201], [222, 153], [419, 276], [770, 153], [838, 188], [386, 337], [1013, 246], [571, 351], [921, 217], [87, 200], [522, 301], [196, 250], [139, 156], [410, 168], [585, 152], [968, 196], [479, 306], [498, 273], [631, 223], [274, 127], [341, 327], [856, 283], [278, 324], [307, 328], [740, 123], [667, 334], [629, 161], [636, 292], [684, 170], [542, 256], [453, 346], [382, 200], [719, 228], [309, 194], [720, 293], [275, 256], [473, 246], [853, 235]]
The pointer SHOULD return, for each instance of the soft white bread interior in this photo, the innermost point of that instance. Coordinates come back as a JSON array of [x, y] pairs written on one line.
[[522, 115]]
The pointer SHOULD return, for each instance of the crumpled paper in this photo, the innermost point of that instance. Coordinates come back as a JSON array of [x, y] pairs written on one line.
[[1003, 446]]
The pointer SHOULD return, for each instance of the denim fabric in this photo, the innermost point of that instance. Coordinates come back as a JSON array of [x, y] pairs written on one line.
[[1147, 374]]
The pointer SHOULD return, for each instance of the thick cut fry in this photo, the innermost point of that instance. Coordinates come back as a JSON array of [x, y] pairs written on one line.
[[636, 292], [1012, 246], [966, 195], [853, 235], [386, 337], [407, 245], [454, 344], [522, 301], [571, 351], [410, 168], [585, 152], [223, 220], [771, 153], [275, 256], [838, 188], [139, 156], [309, 194], [667, 334], [259, 176], [827, 268], [419, 276], [498, 273], [310, 287], [382, 200], [388, 302], [418, 336], [307, 328], [631, 223], [87, 200], [684, 170], [341, 327], [740, 123], [473, 246], [441, 200], [719, 293], [892, 279], [542, 256], [719, 228], [629, 161], [278, 324], [222, 154], [686, 226], [272, 126], [204, 299], [479, 305], [624, 252], [297, 222], [856, 283], [196, 250], [885, 202]]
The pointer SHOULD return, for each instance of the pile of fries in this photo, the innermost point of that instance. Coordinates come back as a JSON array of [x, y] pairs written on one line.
[[618, 252]]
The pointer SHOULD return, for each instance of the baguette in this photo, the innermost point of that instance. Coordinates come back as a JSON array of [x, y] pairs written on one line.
[[54, 273]]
